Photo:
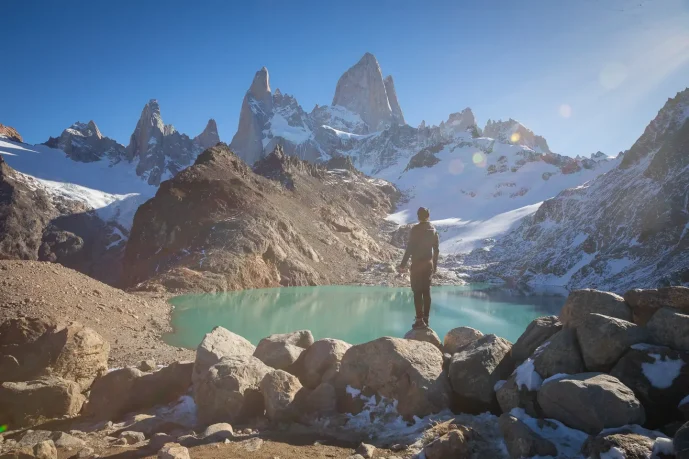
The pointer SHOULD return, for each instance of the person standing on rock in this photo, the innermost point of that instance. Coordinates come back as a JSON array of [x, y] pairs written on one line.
[[423, 250]]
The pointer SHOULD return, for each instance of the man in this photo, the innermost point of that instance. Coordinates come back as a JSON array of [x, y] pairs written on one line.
[[423, 250]]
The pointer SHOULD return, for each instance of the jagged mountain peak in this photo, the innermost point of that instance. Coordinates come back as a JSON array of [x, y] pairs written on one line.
[[209, 137], [260, 86], [11, 133], [514, 132], [392, 99]]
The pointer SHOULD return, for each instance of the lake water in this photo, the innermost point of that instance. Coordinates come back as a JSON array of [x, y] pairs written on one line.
[[353, 314]]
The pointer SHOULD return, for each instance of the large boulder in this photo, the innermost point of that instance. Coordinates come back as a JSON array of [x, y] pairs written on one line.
[[299, 338], [644, 303], [23, 330], [279, 390], [581, 303], [128, 389], [459, 337], [590, 402], [33, 402], [424, 334], [521, 441], [230, 390], [476, 369], [455, 443], [627, 443], [216, 345], [604, 339], [511, 395], [277, 354], [74, 352], [560, 356], [537, 333], [322, 356], [659, 377], [321, 401], [681, 442], [410, 372], [668, 327]]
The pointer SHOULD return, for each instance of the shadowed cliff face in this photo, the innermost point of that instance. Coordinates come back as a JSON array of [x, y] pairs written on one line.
[[219, 225]]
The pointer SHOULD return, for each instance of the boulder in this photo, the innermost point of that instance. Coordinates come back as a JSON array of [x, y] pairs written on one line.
[[173, 451], [131, 437], [24, 330], [590, 402], [147, 366], [408, 371], [65, 440], [537, 333], [455, 443], [510, 395], [580, 303], [216, 345], [45, 450], [681, 442], [625, 445], [322, 356], [279, 390], [424, 334], [218, 432], [459, 337], [521, 441], [560, 356], [644, 303], [31, 437], [128, 389], [300, 338], [230, 390], [277, 354], [25, 452], [33, 402], [668, 327], [604, 339], [659, 377], [365, 450], [476, 369], [322, 400]]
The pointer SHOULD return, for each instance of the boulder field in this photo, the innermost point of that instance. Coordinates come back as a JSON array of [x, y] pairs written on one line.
[[608, 378]]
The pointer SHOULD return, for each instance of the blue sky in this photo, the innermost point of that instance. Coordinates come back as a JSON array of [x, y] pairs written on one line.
[[587, 74]]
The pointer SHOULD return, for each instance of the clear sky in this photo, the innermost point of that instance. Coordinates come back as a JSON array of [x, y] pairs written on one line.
[[586, 74]]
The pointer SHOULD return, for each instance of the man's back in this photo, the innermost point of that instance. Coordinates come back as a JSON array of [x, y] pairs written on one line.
[[423, 244]]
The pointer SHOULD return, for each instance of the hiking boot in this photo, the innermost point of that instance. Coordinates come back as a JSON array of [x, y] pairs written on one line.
[[418, 324]]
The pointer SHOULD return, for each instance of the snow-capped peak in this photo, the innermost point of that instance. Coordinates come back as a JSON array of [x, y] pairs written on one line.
[[514, 132]]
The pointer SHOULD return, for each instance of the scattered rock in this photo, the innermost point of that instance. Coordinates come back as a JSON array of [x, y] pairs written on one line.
[[23, 330], [158, 440], [366, 450], [279, 390], [404, 370], [31, 437], [65, 440], [560, 356], [230, 390], [476, 369], [147, 366], [424, 334], [173, 451], [25, 452], [537, 333], [216, 345], [604, 339], [277, 354], [459, 337], [644, 303], [131, 437], [580, 303], [86, 453], [659, 377], [521, 441], [300, 338], [668, 327], [252, 444], [45, 450], [590, 402], [626, 444], [452, 444], [322, 356], [33, 402], [82, 354], [218, 432]]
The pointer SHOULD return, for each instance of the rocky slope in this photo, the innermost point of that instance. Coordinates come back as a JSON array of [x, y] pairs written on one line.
[[10, 133], [626, 227], [219, 225]]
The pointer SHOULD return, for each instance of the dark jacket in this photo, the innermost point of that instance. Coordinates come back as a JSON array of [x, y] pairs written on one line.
[[422, 245]]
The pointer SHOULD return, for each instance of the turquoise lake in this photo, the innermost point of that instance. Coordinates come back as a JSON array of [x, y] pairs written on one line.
[[353, 314]]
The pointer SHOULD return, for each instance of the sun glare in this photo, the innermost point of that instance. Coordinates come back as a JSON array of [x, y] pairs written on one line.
[[612, 75], [514, 138], [479, 159], [456, 167], [565, 110]]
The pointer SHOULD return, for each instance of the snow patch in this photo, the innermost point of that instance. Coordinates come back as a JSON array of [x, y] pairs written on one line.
[[527, 376], [568, 441], [662, 446], [556, 377], [663, 371], [613, 453]]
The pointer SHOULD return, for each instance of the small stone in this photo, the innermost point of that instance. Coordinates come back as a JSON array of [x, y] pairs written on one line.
[[173, 451], [132, 438], [86, 453], [366, 450], [45, 450], [218, 432], [65, 440], [147, 366]]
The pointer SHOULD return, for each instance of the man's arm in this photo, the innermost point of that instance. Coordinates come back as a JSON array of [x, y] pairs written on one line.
[[436, 251], [407, 253]]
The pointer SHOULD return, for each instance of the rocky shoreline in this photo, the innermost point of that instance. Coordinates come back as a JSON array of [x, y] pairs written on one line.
[[607, 378]]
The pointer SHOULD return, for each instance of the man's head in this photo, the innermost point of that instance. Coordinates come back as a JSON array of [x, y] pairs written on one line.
[[423, 214]]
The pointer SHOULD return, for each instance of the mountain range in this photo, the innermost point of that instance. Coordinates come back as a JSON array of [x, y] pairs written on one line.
[[507, 207]]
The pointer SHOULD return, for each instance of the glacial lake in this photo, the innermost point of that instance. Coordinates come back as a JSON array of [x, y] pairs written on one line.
[[354, 314]]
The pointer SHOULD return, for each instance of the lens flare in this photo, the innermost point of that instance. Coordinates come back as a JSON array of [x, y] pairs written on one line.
[[514, 138], [612, 75], [565, 111], [479, 159], [3, 428], [456, 167]]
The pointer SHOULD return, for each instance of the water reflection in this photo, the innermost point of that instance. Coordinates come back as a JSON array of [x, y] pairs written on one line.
[[354, 314]]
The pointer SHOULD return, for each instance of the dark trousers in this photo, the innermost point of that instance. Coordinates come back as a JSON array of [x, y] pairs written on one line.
[[421, 275]]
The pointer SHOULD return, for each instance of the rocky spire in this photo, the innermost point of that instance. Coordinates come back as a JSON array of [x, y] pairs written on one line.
[[257, 109], [361, 89], [392, 99], [462, 121], [149, 129], [209, 137]]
